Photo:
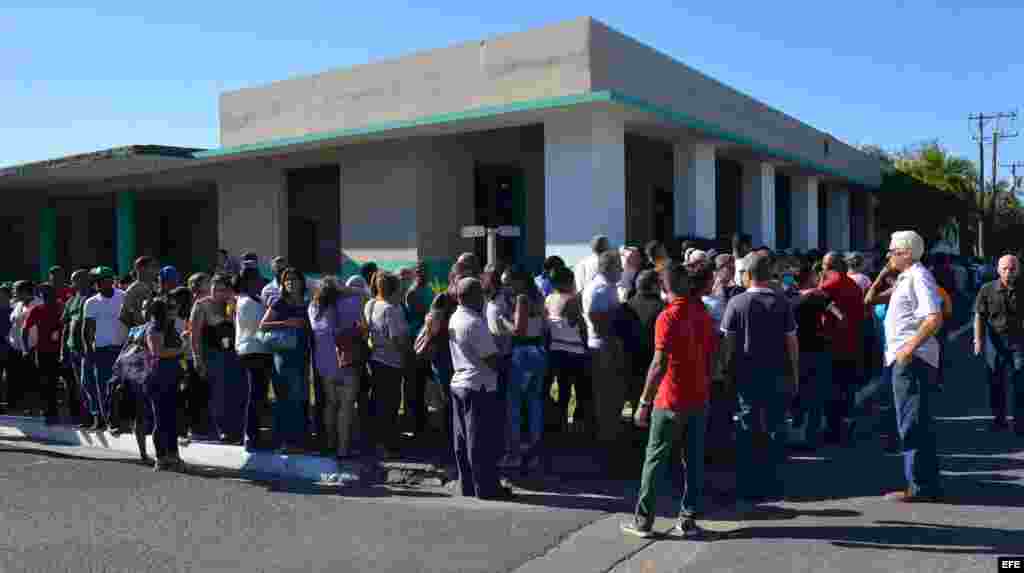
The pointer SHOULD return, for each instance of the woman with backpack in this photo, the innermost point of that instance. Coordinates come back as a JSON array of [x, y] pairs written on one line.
[[165, 348], [336, 323]]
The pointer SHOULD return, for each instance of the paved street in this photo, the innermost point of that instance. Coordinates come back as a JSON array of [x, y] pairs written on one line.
[[63, 513]]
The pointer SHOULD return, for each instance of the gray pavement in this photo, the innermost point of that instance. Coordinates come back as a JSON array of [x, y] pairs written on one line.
[[62, 513]]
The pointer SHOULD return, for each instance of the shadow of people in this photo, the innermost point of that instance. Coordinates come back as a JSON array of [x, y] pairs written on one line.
[[890, 535]]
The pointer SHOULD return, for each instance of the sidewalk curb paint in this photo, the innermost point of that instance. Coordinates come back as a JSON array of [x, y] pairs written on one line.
[[302, 467]]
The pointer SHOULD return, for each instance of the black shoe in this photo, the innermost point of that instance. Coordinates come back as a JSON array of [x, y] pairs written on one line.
[[999, 425], [637, 528], [687, 529], [87, 423]]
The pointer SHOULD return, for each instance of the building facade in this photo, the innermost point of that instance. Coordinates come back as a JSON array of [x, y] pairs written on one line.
[[564, 131]]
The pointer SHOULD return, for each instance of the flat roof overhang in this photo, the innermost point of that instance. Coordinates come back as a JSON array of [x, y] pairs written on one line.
[[640, 115]]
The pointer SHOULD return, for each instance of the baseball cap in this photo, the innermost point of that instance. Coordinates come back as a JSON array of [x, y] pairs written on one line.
[[169, 273], [102, 273]]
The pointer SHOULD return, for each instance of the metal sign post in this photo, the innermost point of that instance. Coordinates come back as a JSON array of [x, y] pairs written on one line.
[[491, 234]]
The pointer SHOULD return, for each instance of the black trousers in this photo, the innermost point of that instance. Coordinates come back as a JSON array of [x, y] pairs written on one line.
[[414, 392], [48, 370], [476, 422], [197, 401]]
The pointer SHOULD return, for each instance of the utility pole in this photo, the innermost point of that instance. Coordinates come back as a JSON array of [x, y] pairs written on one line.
[[982, 118]]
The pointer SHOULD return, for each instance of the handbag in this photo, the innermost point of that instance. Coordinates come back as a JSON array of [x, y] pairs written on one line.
[[279, 339]]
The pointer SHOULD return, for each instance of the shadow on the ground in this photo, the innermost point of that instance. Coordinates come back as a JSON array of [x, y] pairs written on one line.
[[897, 535]]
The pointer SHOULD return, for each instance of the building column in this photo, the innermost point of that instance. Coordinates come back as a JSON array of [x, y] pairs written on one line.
[[695, 200], [126, 239], [804, 212], [757, 202], [584, 182], [839, 218], [47, 240]]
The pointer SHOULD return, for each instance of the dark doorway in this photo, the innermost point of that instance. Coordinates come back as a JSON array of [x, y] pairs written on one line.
[[664, 215], [314, 218], [501, 200], [729, 180]]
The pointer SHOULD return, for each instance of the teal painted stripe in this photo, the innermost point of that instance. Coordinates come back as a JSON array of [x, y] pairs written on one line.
[[606, 96]]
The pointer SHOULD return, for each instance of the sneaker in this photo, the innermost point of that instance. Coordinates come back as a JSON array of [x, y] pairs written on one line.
[[904, 496], [686, 528], [637, 529]]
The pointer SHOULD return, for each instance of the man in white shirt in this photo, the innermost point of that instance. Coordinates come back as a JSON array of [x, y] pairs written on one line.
[[600, 303], [913, 318], [475, 411], [104, 335], [21, 369], [585, 270]]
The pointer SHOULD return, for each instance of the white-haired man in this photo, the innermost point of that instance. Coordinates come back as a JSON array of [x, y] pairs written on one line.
[[998, 318], [911, 322]]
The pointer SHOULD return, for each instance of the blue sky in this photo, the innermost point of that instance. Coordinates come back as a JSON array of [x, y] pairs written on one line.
[[75, 79]]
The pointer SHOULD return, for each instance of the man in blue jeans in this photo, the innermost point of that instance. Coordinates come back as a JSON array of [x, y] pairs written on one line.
[[913, 318], [998, 318], [762, 354], [104, 334]]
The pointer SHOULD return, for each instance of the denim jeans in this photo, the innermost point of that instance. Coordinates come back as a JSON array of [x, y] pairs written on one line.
[[760, 440], [815, 391], [525, 387], [666, 428], [161, 393], [99, 367], [229, 392], [290, 393], [913, 386], [1004, 360]]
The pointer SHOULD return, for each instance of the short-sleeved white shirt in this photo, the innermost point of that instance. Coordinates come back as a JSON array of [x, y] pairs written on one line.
[[599, 296], [110, 331], [585, 271], [386, 323], [915, 296], [471, 342]]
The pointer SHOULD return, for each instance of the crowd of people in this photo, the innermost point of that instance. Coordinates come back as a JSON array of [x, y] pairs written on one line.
[[743, 350]]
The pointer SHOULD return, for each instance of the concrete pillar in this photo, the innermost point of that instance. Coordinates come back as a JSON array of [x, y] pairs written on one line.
[[757, 202], [252, 212], [839, 218], [47, 240], [804, 212], [584, 182], [695, 199], [126, 231]]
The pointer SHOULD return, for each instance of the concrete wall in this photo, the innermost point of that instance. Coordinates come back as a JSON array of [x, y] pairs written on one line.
[[252, 213], [545, 62], [625, 65]]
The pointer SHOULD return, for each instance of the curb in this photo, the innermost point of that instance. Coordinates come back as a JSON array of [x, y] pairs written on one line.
[[304, 467]]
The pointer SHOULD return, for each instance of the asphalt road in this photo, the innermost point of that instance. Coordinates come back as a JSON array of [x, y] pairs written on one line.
[[67, 514], [61, 514]]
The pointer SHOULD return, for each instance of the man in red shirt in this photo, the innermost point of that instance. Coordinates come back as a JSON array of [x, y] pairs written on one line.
[[45, 318], [846, 342], [678, 382]]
